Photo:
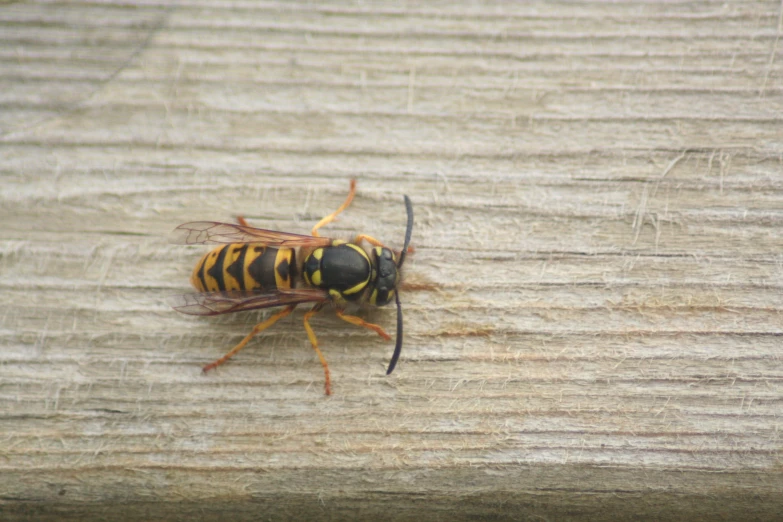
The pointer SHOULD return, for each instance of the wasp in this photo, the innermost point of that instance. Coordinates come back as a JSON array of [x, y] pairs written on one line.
[[256, 268]]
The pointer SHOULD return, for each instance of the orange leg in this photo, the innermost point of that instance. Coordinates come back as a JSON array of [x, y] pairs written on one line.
[[360, 322], [371, 240], [375, 242], [314, 342], [331, 217], [260, 327], [241, 221]]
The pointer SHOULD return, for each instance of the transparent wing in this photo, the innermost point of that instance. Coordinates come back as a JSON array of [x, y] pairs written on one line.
[[212, 232], [216, 303]]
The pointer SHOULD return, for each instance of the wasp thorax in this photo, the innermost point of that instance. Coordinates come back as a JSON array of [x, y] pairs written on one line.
[[385, 266], [343, 269]]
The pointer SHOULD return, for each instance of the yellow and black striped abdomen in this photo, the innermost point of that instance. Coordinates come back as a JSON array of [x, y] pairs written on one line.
[[245, 266]]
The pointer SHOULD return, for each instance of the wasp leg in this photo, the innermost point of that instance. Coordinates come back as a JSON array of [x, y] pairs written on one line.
[[314, 342], [241, 221], [371, 240], [360, 322], [328, 219], [375, 242], [257, 329]]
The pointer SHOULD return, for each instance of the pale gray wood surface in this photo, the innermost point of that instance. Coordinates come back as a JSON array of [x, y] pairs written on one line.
[[597, 328]]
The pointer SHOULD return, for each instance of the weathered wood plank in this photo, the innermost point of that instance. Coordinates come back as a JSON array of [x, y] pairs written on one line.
[[596, 331]]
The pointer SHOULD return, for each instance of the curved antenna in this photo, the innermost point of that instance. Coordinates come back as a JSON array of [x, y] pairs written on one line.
[[408, 230], [398, 346]]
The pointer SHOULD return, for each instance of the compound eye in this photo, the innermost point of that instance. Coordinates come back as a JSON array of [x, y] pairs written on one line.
[[381, 297], [384, 254]]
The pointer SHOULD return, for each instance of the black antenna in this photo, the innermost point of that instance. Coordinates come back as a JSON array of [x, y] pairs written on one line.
[[398, 346], [408, 231]]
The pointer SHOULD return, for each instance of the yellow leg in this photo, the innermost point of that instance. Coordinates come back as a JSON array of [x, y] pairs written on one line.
[[328, 219], [375, 242], [257, 329], [360, 322], [371, 240], [314, 342]]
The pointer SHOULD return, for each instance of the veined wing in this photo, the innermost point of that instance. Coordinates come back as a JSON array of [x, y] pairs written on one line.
[[216, 303], [212, 232]]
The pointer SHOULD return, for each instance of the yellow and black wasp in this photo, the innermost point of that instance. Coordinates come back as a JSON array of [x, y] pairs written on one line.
[[256, 268]]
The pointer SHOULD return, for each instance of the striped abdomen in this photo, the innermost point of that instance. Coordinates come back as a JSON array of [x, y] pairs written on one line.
[[244, 266]]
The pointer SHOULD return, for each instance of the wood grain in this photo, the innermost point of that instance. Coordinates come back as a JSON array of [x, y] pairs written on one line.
[[594, 324]]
